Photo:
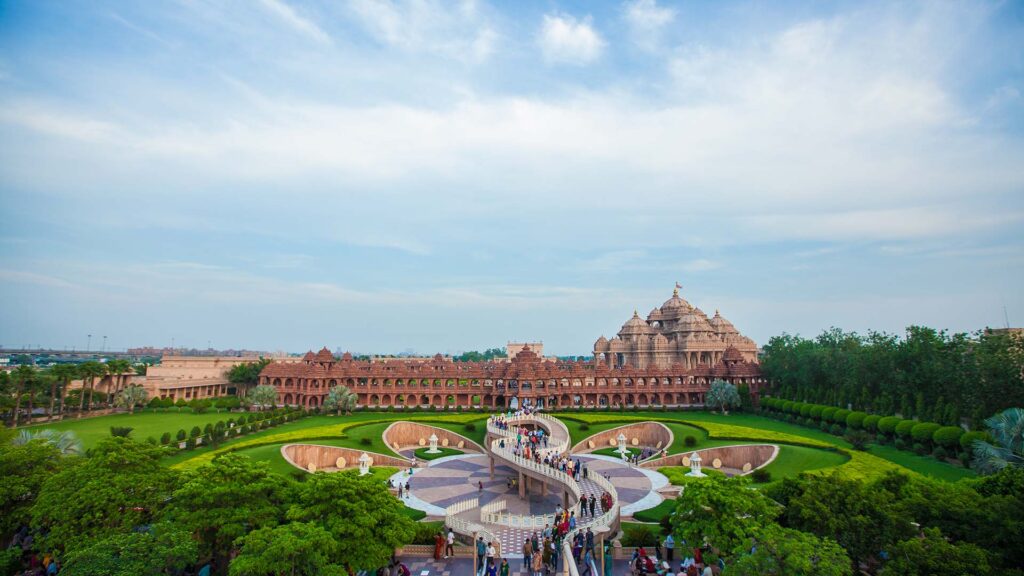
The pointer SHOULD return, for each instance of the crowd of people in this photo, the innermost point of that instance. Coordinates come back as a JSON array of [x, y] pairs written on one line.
[[642, 564]]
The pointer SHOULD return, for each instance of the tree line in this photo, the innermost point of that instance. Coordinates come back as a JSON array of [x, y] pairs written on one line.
[[928, 374]]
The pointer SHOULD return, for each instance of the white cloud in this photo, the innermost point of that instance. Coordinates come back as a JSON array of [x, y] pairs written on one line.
[[289, 16], [701, 265], [565, 40], [646, 21], [461, 32]]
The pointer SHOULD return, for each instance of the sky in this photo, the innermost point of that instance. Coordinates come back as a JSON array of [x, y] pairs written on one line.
[[390, 175]]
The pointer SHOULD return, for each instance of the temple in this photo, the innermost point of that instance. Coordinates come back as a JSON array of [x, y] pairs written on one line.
[[670, 361], [676, 333]]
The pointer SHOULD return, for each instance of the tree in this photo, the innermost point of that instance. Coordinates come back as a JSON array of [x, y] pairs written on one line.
[[358, 511], [296, 549], [247, 374], [24, 467], [860, 518], [63, 373], [784, 552], [722, 395], [64, 441], [23, 375], [1007, 430], [89, 371], [120, 486], [224, 500], [341, 398], [161, 549], [932, 555], [265, 395], [117, 369], [131, 397], [725, 511]]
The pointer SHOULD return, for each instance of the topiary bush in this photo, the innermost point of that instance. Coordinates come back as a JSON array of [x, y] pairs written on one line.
[[855, 420], [969, 438], [870, 422], [761, 476], [121, 431], [365, 441], [827, 413], [640, 535], [584, 427], [815, 411], [939, 453], [948, 437], [839, 416], [805, 410], [920, 448], [690, 441], [904, 428], [165, 438], [859, 439], [922, 433], [469, 427], [823, 425], [836, 429], [195, 432], [887, 425], [787, 406]]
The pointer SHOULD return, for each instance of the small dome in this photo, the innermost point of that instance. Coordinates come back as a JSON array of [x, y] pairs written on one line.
[[674, 305], [635, 325], [693, 322], [732, 354], [324, 355], [309, 357], [721, 325]]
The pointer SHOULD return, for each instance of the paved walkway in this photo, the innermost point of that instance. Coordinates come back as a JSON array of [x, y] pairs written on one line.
[[464, 567]]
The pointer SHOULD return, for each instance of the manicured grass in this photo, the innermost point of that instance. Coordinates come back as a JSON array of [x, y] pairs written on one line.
[[792, 460], [145, 424], [613, 451], [657, 513], [422, 453], [923, 464]]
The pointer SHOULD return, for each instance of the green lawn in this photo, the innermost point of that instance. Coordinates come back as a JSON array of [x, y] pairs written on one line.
[[923, 464], [422, 453], [792, 460], [145, 424]]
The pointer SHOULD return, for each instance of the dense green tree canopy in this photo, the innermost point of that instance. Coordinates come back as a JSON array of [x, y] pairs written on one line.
[[724, 511], [247, 374], [121, 485], [932, 555], [474, 356], [224, 500], [785, 552], [295, 549], [722, 395], [162, 549], [358, 511], [24, 468], [927, 374]]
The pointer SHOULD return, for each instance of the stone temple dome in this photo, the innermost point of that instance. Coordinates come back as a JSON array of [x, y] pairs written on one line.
[[676, 333]]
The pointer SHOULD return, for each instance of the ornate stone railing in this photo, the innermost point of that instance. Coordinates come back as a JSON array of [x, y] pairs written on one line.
[[494, 513], [467, 527]]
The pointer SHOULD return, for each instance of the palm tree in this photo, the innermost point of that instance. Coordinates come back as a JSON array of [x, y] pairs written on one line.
[[22, 375], [65, 441], [1007, 428], [89, 372], [341, 398], [117, 368], [131, 396], [63, 373]]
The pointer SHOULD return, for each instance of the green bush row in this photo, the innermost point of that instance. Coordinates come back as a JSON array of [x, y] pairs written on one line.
[[213, 433]]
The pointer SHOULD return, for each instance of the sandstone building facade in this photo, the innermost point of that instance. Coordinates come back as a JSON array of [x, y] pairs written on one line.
[[638, 375]]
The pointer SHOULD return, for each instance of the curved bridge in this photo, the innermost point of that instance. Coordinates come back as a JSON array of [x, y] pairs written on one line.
[[467, 516]]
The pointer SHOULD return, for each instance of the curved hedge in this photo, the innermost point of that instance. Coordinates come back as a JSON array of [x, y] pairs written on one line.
[[887, 424], [923, 432], [855, 420], [870, 422], [787, 406], [948, 436], [904, 427], [816, 411], [826, 413], [805, 410]]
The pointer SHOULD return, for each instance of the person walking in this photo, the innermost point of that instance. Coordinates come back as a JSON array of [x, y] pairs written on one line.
[[449, 548], [670, 545], [481, 552], [527, 553], [503, 571], [593, 501], [538, 563]]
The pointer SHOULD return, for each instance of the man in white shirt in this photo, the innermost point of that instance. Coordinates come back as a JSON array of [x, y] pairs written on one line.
[[449, 547]]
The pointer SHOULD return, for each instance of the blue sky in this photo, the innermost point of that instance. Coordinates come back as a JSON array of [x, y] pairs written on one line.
[[382, 175]]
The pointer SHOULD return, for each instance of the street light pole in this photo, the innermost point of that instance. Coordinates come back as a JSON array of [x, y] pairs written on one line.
[[88, 343]]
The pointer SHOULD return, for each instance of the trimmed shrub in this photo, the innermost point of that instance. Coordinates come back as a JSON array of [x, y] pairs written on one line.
[[836, 429], [584, 427], [365, 441], [809, 422], [840, 415], [787, 406], [855, 420], [922, 432], [900, 443], [805, 410], [827, 413], [920, 448], [121, 431], [858, 439], [870, 422], [208, 429], [165, 438], [690, 441], [948, 437], [887, 425], [761, 476], [469, 427], [195, 432], [823, 425], [815, 411], [151, 441], [881, 438], [939, 453], [969, 438], [640, 535], [181, 435], [904, 427], [190, 444]]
